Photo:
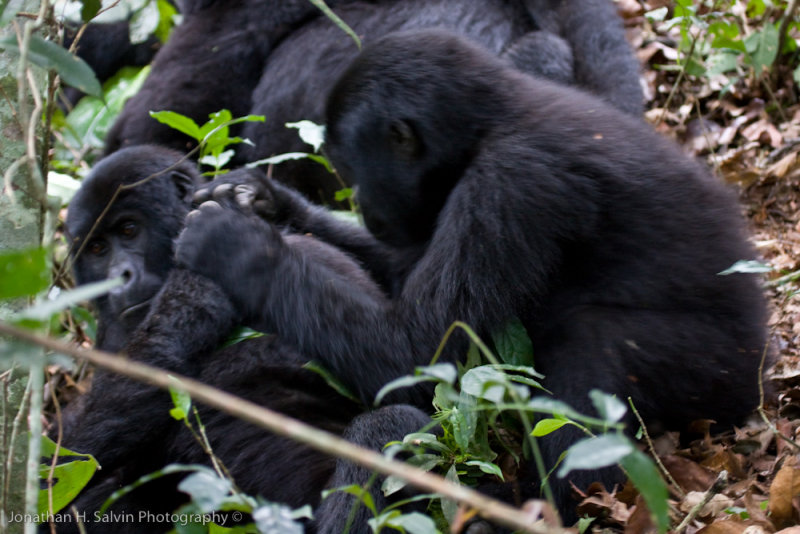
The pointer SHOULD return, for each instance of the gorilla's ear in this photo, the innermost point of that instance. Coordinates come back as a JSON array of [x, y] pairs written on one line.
[[402, 139], [184, 184]]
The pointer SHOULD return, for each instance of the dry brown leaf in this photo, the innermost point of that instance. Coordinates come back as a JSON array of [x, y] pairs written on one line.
[[689, 475], [791, 530], [727, 461], [640, 521], [784, 488], [729, 526], [712, 508]]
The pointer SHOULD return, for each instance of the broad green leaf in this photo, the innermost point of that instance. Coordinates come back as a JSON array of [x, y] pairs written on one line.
[[487, 467], [645, 476], [343, 194], [89, 9], [596, 452], [449, 506], [48, 55], [548, 426], [550, 405], [763, 47], [179, 122], [276, 519], [487, 382], [23, 272], [413, 523], [608, 406], [513, 344], [70, 478], [144, 22], [206, 489], [311, 133], [445, 372]]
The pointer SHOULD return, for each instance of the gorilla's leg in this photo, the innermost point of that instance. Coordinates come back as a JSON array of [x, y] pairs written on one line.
[[372, 430]]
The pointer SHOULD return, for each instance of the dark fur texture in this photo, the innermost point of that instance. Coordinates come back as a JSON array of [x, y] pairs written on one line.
[[279, 59], [106, 47], [490, 195], [125, 424]]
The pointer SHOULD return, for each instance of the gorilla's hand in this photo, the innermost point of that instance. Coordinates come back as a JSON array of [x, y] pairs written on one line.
[[236, 250], [255, 193]]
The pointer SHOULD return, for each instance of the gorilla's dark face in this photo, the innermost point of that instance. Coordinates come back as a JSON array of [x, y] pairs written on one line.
[[133, 239], [126, 245]]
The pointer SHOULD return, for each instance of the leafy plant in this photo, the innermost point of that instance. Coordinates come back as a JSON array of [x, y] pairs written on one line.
[[479, 403], [213, 137]]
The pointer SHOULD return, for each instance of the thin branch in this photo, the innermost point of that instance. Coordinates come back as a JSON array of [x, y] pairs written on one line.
[[788, 17], [282, 425], [719, 484]]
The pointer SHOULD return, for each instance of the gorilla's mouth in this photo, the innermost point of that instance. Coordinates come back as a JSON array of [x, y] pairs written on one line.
[[135, 309]]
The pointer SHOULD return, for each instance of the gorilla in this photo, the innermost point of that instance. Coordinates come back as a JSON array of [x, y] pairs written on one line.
[[176, 320], [106, 47], [278, 59], [495, 197]]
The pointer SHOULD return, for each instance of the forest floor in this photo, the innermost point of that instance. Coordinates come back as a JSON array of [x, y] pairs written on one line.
[[749, 134]]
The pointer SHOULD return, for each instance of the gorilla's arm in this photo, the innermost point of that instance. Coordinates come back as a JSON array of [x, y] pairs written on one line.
[[190, 316], [469, 272], [288, 209]]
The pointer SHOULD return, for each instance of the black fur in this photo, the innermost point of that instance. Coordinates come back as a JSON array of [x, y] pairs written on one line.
[[125, 424], [280, 62], [106, 47], [501, 196]]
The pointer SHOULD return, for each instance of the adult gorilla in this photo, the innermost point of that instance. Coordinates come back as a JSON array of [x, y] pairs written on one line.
[[542, 203], [217, 56], [126, 425]]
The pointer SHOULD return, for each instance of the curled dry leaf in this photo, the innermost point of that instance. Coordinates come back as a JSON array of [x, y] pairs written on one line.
[[784, 488]]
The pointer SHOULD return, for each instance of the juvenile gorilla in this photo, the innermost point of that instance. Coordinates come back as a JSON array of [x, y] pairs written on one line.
[[279, 59], [126, 425], [496, 197]]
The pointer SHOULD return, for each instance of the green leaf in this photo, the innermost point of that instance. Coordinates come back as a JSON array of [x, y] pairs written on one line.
[[487, 467], [179, 122], [488, 383], [168, 470], [747, 266], [23, 272], [70, 478], [763, 47], [276, 519], [449, 506], [332, 380], [358, 492], [513, 344], [413, 523], [608, 406], [44, 310], [548, 426], [343, 194], [48, 55], [311, 133], [645, 476], [181, 400], [89, 9], [239, 334], [206, 489], [596, 452]]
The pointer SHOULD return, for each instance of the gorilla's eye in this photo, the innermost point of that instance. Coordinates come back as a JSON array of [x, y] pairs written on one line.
[[128, 229], [96, 247]]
